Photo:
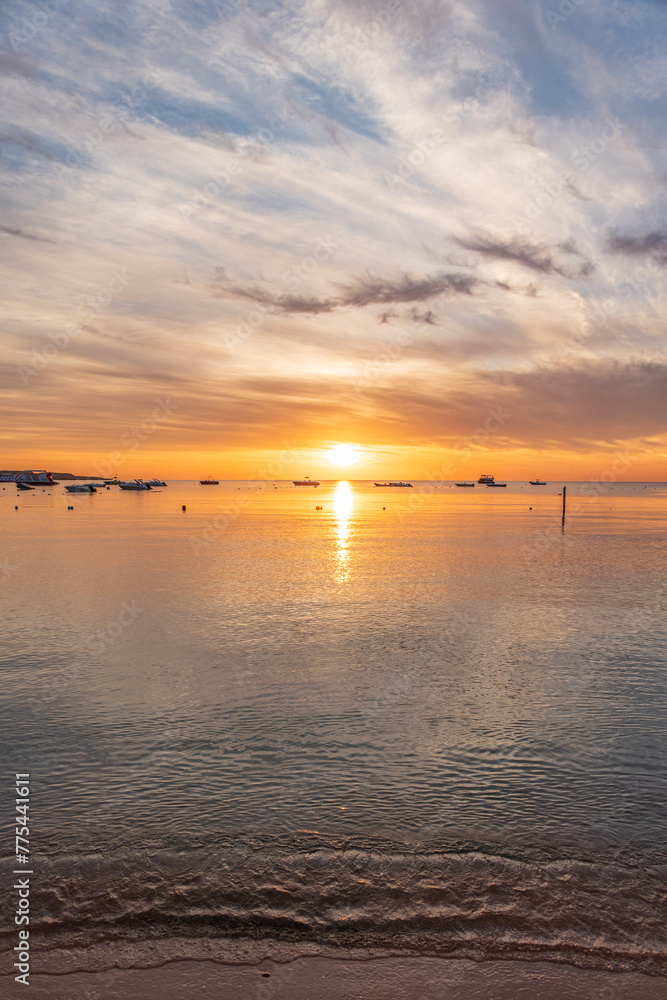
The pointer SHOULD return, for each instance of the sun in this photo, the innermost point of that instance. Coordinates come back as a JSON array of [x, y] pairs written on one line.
[[343, 454]]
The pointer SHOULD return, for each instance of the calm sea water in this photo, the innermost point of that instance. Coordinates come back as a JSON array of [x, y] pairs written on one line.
[[426, 721]]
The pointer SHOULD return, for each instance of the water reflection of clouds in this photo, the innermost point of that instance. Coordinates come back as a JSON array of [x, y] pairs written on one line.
[[343, 507]]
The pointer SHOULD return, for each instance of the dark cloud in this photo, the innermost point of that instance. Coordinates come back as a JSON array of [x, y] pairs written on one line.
[[369, 289], [25, 139], [286, 303], [426, 317], [24, 236], [365, 291], [653, 243], [17, 62], [529, 253]]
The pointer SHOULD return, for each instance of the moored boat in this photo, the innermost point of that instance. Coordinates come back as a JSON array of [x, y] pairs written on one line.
[[486, 479], [537, 482], [394, 484], [209, 482], [81, 488], [497, 485], [155, 482], [464, 484], [31, 476], [305, 482], [137, 484]]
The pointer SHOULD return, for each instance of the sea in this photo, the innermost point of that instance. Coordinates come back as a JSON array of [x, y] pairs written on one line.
[[268, 722]]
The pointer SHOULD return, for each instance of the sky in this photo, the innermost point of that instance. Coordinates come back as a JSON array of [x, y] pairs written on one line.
[[235, 235]]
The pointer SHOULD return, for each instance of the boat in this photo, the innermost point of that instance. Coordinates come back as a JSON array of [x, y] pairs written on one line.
[[394, 484], [305, 482], [209, 482], [464, 484], [112, 482], [137, 484], [537, 482], [497, 485], [31, 477], [24, 486], [155, 482], [486, 479], [81, 488]]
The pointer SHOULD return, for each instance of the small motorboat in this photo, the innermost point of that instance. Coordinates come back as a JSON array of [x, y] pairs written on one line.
[[394, 484], [497, 485], [81, 488], [464, 484], [24, 486], [112, 482], [537, 482], [155, 482], [305, 482], [137, 484], [209, 482]]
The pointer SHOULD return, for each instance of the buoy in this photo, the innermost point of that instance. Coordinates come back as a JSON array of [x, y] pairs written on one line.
[[384, 508], [530, 508], [70, 508], [15, 508], [183, 507]]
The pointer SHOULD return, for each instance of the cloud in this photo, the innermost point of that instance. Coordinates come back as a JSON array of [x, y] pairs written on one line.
[[19, 63], [286, 303], [371, 290], [529, 253], [653, 242], [24, 236]]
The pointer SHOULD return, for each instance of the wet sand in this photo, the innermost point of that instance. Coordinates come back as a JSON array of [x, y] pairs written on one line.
[[328, 979]]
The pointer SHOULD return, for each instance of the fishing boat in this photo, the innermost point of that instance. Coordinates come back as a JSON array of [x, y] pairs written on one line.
[[81, 488], [305, 482], [137, 484], [394, 484], [537, 482], [464, 484], [489, 480], [155, 482], [209, 482], [31, 477]]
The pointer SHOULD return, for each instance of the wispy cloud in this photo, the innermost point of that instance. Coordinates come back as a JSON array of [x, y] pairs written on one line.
[[535, 255], [653, 242]]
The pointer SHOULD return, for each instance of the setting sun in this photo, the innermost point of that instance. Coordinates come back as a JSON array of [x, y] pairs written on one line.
[[343, 454]]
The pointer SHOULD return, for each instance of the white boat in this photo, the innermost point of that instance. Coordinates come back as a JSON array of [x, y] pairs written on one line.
[[33, 477], [137, 484], [489, 480], [154, 482], [81, 488]]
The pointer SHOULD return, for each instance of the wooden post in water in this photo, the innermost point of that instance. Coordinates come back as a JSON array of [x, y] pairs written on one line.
[[564, 498]]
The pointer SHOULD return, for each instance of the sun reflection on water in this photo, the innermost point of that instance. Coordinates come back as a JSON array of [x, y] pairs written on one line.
[[343, 507]]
